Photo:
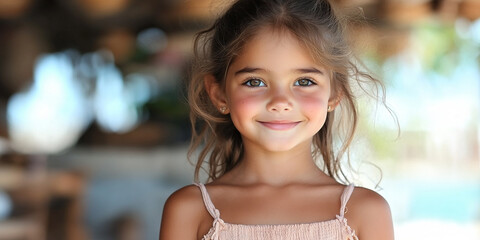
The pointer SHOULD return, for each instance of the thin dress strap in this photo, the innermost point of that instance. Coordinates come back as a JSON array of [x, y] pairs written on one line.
[[218, 223], [344, 198], [207, 201], [348, 232]]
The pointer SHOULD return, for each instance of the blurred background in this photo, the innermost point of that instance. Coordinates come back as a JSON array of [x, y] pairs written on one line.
[[94, 126]]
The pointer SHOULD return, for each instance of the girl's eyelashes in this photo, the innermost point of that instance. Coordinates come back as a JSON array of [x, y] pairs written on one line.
[[303, 82], [254, 82]]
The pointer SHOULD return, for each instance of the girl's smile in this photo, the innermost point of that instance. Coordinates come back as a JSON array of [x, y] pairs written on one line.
[[279, 125]]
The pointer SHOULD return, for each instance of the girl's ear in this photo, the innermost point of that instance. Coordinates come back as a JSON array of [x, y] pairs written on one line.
[[216, 93], [334, 101]]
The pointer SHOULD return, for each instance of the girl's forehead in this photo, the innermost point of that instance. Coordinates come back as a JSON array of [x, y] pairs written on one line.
[[274, 35], [274, 48]]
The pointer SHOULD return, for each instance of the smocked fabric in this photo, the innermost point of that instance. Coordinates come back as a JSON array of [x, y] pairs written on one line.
[[335, 229]]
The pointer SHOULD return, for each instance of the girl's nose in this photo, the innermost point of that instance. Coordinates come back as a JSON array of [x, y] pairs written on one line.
[[279, 103]]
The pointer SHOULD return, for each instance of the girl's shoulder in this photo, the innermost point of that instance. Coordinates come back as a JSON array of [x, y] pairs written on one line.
[[187, 198], [367, 199], [369, 214], [184, 214]]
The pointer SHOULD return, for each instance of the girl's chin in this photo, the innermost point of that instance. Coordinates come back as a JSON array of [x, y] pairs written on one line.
[[278, 147]]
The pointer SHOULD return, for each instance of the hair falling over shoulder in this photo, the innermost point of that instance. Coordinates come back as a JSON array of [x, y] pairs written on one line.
[[319, 28]]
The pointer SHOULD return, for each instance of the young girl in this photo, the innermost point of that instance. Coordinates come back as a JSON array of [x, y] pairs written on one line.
[[269, 78]]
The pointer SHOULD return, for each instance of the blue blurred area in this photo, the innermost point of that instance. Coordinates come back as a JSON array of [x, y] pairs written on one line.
[[458, 202]]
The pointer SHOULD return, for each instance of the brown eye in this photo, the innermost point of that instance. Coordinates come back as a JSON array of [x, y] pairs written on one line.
[[254, 83], [304, 82]]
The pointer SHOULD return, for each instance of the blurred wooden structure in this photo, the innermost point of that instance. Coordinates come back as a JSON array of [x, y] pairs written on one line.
[[65, 220], [34, 193], [24, 180]]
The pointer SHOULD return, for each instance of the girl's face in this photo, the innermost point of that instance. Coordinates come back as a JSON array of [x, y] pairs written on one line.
[[276, 94]]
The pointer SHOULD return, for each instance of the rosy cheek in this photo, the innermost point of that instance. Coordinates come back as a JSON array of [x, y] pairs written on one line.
[[244, 102], [313, 104]]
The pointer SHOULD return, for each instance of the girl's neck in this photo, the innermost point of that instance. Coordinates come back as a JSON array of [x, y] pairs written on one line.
[[278, 168]]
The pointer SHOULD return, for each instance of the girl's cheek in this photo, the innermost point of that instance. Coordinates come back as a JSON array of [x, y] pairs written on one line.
[[246, 99], [314, 104], [244, 103]]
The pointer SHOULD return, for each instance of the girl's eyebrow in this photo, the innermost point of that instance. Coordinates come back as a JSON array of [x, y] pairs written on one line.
[[309, 70], [299, 70], [249, 70]]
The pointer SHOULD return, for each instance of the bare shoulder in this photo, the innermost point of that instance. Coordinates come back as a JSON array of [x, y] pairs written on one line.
[[369, 214], [186, 199], [183, 214], [369, 200]]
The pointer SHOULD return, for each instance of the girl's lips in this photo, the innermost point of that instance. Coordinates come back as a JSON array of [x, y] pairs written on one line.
[[280, 125]]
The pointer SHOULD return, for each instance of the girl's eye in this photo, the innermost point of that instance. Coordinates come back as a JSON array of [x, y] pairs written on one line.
[[254, 83], [304, 82]]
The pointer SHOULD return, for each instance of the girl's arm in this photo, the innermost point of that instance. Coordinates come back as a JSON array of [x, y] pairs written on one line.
[[182, 214], [372, 217]]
